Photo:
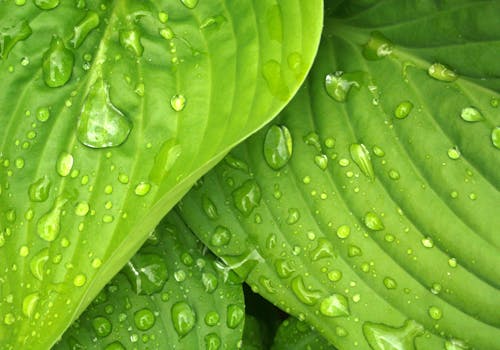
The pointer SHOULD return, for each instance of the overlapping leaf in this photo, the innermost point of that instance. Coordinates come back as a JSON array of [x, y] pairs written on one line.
[[109, 112], [370, 207]]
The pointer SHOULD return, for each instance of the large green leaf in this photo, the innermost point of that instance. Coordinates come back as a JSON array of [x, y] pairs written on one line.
[[109, 112], [171, 295], [370, 208], [297, 335]]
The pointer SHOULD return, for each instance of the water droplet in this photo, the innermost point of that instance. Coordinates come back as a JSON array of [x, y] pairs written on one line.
[[183, 318], [144, 319], [427, 242], [9, 319], [167, 33], [83, 28], [64, 164], [116, 345], [390, 283], [321, 160], [294, 61], [235, 315], [165, 159], [209, 208], [212, 341], [37, 263], [343, 231], [29, 304], [312, 139], [274, 78], [57, 63], [339, 84], [10, 36], [278, 146], [210, 281], [212, 318], [293, 216], [190, 4], [452, 262], [220, 237], [394, 174], [147, 273], [131, 41], [383, 337], [403, 109], [79, 280], [324, 249], [353, 251], [24, 251], [435, 313], [47, 4], [43, 114], [305, 295], [440, 72], [373, 222], [361, 156], [178, 102], [335, 305], [102, 326], [436, 288], [142, 189], [213, 22], [49, 225], [377, 47], [335, 275], [82, 208], [247, 197], [495, 136], [100, 123], [455, 344], [284, 268], [471, 114], [39, 190]]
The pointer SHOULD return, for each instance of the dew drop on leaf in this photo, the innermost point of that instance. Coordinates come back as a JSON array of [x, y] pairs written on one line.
[[163, 16], [235, 315], [130, 40], [49, 225], [11, 35], [273, 76], [212, 318], [209, 208], [57, 63], [167, 33], [390, 283], [361, 156], [293, 216], [42, 114], [100, 123], [383, 337], [64, 164], [440, 72], [39, 190], [353, 250], [373, 222], [471, 114], [144, 319], [147, 273], [102, 326], [278, 146], [30, 303], [178, 102], [284, 268], [339, 84], [210, 281], [47, 4], [495, 136], [212, 341], [324, 249], [247, 197], [403, 109], [183, 318], [83, 28], [435, 313], [79, 280], [377, 47], [321, 160], [304, 294], [343, 231], [190, 4], [82, 208], [37, 263], [142, 189], [335, 305], [220, 237]]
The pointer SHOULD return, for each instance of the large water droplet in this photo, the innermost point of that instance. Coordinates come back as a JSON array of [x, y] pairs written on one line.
[[383, 337], [130, 40], [284, 268], [339, 84], [305, 295], [212, 318], [183, 318], [147, 273], [373, 222], [47, 4], [39, 190], [144, 319], [247, 197], [403, 109], [57, 63], [334, 306], [101, 124], [64, 164], [102, 326], [361, 156], [210, 281], [235, 315], [324, 249], [29, 304], [495, 137], [278, 146], [84, 27], [471, 114], [190, 4], [440, 72], [209, 208], [390, 283], [220, 237], [49, 225], [11, 35], [377, 47], [37, 263], [212, 341]]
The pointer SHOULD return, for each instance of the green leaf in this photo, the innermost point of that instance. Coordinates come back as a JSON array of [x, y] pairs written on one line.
[[195, 305], [110, 112], [297, 335], [380, 229]]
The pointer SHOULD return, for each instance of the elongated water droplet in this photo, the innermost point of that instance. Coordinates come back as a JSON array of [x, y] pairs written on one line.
[[183, 318], [403, 109], [361, 156], [377, 47], [29, 304], [102, 326], [455, 344], [144, 319], [383, 337], [213, 22], [278, 146], [212, 341], [373, 222], [235, 315], [209, 208], [293, 216], [47, 4], [147, 273], [131, 40], [440, 72], [11, 35], [335, 305], [273, 76], [210, 281], [190, 4], [339, 84], [247, 197], [84, 27], [64, 164], [390, 283], [471, 114], [57, 63], [39, 190], [101, 124], [37, 263], [495, 137], [305, 295], [49, 225], [165, 159]]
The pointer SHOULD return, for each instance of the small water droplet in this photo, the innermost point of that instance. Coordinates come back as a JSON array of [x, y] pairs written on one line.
[[210, 281], [427, 242], [440, 72], [79, 280], [130, 40], [82, 208], [321, 160], [209, 208], [144, 319], [335, 305], [212, 318], [43, 114], [47, 4], [10, 36], [353, 251], [361, 156], [278, 146], [57, 63], [167, 33], [373, 222], [293, 216], [220, 237], [343, 231], [49, 225], [435, 313], [495, 136], [304, 294], [183, 318], [37, 263], [403, 109], [377, 47], [212, 341], [273, 76], [339, 84], [335, 275], [390, 283], [165, 159], [39, 190], [64, 164], [235, 315], [471, 114], [383, 337], [178, 102], [84, 27], [142, 189], [247, 197], [30, 303], [190, 4], [9, 319], [147, 273], [324, 249], [394, 174], [213, 22], [455, 344], [452, 262], [102, 326], [100, 123]]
